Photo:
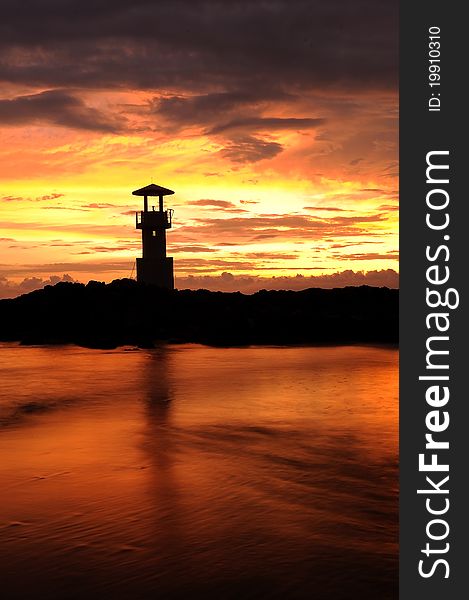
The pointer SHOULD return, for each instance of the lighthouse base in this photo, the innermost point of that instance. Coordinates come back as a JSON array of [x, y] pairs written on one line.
[[156, 271]]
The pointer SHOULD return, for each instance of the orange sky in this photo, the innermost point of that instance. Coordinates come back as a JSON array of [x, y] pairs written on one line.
[[272, 179]]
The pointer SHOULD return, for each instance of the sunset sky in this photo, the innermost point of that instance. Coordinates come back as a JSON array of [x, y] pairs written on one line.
[[275, 122]]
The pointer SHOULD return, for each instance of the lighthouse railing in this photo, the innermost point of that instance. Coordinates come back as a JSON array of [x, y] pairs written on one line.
[[154, 218]]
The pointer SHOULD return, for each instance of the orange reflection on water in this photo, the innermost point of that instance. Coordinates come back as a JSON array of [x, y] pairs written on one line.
[[199, 472]]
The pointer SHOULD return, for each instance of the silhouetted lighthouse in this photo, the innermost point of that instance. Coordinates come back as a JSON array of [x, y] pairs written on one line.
[[154, 267]]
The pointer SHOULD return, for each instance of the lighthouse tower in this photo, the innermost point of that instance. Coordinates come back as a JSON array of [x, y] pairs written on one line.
[[154, 267]]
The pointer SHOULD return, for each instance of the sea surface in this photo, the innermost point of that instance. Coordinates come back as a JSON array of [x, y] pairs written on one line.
[[193, 472]]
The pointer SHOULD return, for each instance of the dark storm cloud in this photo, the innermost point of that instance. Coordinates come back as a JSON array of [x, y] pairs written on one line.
[[266, 124], [249, 149], [234, 118], [196, 109], [196, 44], [55, 107], [203, 109]]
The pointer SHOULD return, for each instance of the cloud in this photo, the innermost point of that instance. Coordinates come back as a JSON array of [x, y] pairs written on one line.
[[249, 149], [227, 282], [123, 247], [289, 93], [271, 256], [232, 71], [209, 109], [99, 267], [55, 107], [49, 197], [217, 203], [266, 124], [63, 208], [182, 44], [347, 245], [12, 199], [281, 226], [84, 228], [224, 206], [370, 256], [189, 248], [101, 205], [241, 135], [28, 199], [389, 207], [327, 208], [243, 140], [11, 289]]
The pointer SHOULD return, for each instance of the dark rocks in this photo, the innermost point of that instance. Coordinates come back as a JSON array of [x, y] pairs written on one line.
[[124, 312]]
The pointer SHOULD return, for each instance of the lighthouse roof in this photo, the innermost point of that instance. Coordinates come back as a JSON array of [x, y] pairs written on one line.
[[152, 190]]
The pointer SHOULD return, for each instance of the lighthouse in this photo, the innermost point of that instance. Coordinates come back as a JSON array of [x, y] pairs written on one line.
[[154, 267]]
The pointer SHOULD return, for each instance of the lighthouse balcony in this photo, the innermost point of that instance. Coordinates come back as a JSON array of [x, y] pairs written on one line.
[[153, 219]]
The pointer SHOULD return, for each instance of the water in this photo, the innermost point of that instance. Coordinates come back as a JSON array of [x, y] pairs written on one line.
[[192, 472]]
